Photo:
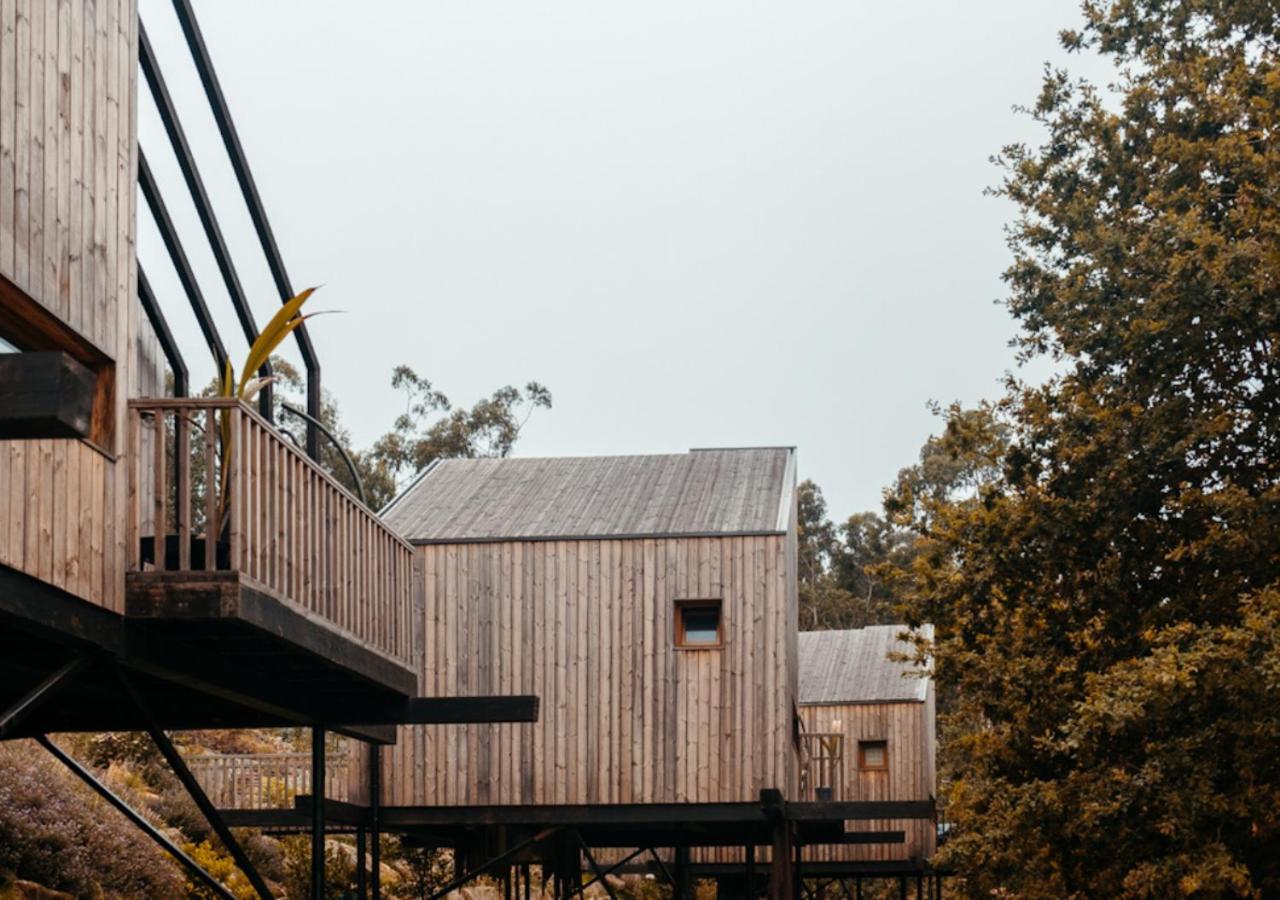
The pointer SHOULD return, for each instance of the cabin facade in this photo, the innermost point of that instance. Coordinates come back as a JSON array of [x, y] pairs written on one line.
[[650, 602], [869, 735]]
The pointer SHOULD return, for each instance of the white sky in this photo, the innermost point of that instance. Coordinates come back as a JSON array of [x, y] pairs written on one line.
[[698, 222]]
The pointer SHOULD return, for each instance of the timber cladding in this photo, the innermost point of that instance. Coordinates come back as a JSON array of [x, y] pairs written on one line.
[[588, 626], [67, 213], [907, 732]]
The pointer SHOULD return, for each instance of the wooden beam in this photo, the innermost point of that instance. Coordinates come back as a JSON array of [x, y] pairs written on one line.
[[45, 395]]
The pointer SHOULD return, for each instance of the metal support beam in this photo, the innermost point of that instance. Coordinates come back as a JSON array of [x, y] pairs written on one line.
[[317, 814], [38, 695], [662, 867], [160, 325], [179, 767], [375, 818], [129, 813], [204, 207], [178, 256], [362, 862], [257, 212], [600, 875], [498, 860]]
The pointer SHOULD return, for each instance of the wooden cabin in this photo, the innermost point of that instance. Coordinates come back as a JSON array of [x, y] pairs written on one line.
[[649, 601], [869, 735], [105, 482]]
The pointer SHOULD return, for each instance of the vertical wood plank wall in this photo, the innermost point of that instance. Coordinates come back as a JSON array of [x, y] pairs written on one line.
[[67, 212], [588, 626], [909, 730]]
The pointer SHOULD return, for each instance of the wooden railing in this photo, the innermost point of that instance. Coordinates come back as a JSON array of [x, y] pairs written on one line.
[[265, 780], [821, 765], [278, 519]]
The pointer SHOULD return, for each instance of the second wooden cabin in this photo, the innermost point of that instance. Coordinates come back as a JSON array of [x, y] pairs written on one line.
[[649, 601], [869, 734]]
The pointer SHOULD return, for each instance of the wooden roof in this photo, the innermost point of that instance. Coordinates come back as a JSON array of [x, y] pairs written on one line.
[[854, 667], [702, 492]]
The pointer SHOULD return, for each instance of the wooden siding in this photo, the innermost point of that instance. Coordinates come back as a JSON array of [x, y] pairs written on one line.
[[909, 730], [67, 211], [626, 718]]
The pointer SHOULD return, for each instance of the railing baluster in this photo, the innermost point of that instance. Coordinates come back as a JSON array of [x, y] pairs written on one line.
[[182, 478], [211, 489], [235, 487], [134, 526], [161, 489]]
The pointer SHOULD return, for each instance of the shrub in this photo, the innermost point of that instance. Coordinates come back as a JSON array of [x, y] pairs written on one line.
[[55, 831]]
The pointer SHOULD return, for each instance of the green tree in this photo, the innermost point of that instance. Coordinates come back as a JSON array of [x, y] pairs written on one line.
[[430, 428], [1107, 591]]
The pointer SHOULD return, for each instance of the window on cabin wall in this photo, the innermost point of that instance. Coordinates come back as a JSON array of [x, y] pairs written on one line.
[[873, 755], [699, 624], [53, 382]]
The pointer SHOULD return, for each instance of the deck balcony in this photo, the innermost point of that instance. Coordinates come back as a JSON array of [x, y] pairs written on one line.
[[242, 547]]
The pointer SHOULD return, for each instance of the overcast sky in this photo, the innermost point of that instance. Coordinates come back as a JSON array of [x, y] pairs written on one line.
[[698, 223]]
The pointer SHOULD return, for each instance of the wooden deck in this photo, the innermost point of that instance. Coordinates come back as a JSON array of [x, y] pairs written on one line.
[[296, 559]]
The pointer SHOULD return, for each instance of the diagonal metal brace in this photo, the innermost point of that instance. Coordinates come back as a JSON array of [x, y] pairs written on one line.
[[493, 863], [601, 875], [133, 816], [174, 758], [38, 695]]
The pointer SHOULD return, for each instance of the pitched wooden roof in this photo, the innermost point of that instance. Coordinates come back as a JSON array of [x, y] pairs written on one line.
[[854, 667], [702, 492]]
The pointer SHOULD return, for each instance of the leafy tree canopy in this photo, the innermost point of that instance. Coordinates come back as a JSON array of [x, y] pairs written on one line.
[[1107, 588]]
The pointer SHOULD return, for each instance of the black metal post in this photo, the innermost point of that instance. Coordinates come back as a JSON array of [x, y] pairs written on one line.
[[179, 767], [919, 887], [317, 813], [39, 694], [257, 212], [682, 873], [160, 325], [375, 825], [204, 207], [105, 793], [178, 256], [902, 886], [749, 852], [362, 888]]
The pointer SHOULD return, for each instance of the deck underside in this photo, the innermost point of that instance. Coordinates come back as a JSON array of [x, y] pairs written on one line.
[[258, 666]]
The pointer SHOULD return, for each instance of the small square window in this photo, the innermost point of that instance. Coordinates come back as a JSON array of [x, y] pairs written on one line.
[[873, 755], [698, 623]]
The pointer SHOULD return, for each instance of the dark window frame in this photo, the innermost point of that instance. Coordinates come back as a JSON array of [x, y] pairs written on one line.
[[32, 329], [862, 756], [682, 607]]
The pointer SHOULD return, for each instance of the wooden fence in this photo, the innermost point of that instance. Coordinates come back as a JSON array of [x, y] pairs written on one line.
[[278, 518], [265, 780]]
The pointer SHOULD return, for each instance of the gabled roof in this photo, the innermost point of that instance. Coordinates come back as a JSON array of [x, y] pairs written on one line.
[[702, 492], [854, 667]]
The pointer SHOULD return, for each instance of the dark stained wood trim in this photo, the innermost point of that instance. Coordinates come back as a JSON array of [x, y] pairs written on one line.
[[682, 606], [46, 394], [208, 596]]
